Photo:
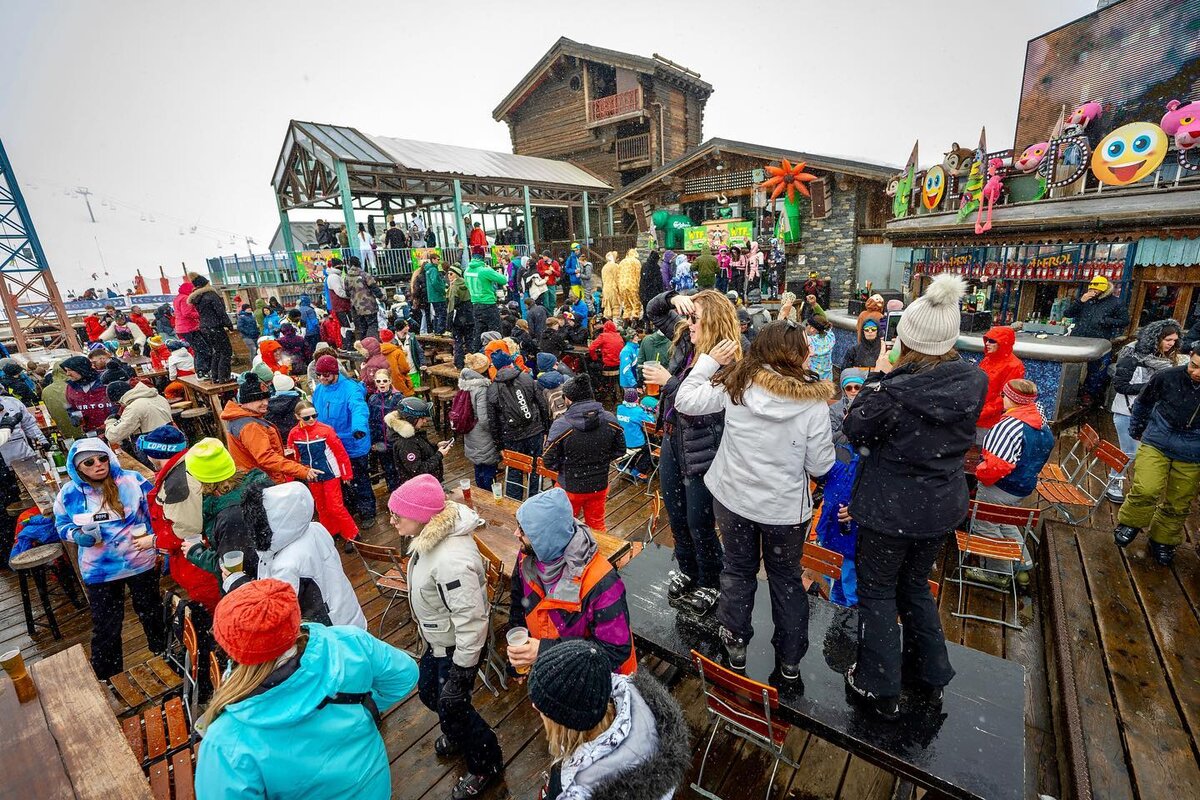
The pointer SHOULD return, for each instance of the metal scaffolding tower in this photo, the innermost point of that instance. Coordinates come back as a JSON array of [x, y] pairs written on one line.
[[32, 304]]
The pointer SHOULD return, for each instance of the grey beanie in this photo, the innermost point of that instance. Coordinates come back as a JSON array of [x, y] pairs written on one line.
[[930, 325]]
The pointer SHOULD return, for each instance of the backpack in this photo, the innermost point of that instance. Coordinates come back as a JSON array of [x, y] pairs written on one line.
[[556, 401], [517, 407], [462, 412]]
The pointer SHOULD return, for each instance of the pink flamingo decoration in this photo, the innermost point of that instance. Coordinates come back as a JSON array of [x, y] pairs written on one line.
[[989, 195]]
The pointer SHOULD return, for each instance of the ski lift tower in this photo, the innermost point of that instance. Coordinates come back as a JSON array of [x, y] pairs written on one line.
[[27, 287]]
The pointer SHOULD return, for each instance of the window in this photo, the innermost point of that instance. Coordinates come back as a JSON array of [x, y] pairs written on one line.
[[576, 83]]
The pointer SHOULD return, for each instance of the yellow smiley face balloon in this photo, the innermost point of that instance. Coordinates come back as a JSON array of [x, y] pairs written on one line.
[[1129, 153], [933, 187]]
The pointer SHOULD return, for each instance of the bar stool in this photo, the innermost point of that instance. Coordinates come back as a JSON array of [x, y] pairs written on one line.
[[443, 397], [197, 423], [34, 562]]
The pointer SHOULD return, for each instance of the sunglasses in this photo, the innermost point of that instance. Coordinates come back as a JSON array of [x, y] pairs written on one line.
[[91, 462], [307, 417], [383, 380], [853, 388]]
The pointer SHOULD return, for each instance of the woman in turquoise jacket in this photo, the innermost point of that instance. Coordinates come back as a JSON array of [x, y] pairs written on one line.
[[297, 715]]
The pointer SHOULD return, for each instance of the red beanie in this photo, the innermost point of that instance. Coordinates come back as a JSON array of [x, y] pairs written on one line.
[[258, 621], [327, 365], [386, 336]]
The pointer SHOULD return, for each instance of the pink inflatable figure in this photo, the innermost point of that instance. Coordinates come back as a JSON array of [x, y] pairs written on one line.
[[1032, 158], [1183, 122], [989, 195], [1081, 116]]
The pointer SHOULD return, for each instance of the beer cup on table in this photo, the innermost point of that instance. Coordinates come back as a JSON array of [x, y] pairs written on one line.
[[14, 664], [464, 486]]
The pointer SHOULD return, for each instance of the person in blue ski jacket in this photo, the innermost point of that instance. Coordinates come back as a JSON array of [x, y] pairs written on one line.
[[341, 404], [247, 328], [631, 416], [296, 718], [571, 274], [312, 325], [628, 375], [833, 533]]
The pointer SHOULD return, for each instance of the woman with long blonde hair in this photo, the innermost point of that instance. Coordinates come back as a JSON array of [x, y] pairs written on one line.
[[697, 323], [611, 737], [298, 714]]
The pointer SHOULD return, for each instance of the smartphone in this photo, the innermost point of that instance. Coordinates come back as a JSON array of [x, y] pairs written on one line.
[[890, 325]]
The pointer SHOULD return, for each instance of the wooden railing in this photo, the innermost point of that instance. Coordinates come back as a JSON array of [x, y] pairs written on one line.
[[615, 105], [632, 148]]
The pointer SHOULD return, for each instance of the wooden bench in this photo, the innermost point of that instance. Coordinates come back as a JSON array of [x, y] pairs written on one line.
[[142, 685]]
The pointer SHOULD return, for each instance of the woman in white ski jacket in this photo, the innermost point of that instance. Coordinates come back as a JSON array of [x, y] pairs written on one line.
[[777, 436], [293, 548]]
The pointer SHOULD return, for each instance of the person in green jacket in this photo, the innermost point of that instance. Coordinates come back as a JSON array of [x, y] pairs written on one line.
[[55, 397], [260, 310], [435, 292], [483, 281], [654, 347], [705, 268], [225, 530], [461, 314]]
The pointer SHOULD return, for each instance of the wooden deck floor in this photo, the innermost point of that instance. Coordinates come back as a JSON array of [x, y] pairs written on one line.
[[410, 730]]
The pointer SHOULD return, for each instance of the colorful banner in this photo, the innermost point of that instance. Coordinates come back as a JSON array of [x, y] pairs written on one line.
[[421, 254], [718, 233], [310, 264], [1067, 264]]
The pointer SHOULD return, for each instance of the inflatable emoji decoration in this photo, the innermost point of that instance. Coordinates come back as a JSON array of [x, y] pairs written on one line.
[[1129, 153], [933, 187]]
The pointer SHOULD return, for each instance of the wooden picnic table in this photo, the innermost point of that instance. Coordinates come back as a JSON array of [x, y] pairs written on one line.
[[207, 393], [501, 518], [66, 743], [443, 374], [436, 340]]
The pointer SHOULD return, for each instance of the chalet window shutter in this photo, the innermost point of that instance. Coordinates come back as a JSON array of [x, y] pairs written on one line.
[[822, 196]]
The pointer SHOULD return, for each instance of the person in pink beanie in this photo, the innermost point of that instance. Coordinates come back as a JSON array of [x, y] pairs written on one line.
[[447, 590]]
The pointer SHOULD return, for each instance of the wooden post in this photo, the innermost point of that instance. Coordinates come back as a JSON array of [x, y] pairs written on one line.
[[528, 222], [343, 180], [587, 225], [570, 221]]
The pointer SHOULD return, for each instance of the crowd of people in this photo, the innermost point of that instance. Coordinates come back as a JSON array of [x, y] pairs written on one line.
[[750, 419]]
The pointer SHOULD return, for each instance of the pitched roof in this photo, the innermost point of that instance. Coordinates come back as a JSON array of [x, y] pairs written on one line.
[[654, 65], [328, 142], [846, 166]]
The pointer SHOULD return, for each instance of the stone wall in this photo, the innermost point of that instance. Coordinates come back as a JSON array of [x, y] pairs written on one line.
[[829, 246]]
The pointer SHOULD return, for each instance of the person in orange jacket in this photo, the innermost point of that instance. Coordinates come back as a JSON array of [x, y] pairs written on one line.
[[252, 441], [318, 447], [1001, 367], [606, 348]]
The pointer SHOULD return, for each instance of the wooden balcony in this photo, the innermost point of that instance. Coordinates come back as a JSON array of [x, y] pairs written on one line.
[[633, 151], [616, 106]]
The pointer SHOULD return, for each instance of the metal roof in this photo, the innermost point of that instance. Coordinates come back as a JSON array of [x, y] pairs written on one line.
[[861, 169], [329, 142], [454, 160]]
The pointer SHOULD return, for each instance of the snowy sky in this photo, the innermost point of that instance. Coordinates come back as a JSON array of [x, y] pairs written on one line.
[[175, 112]]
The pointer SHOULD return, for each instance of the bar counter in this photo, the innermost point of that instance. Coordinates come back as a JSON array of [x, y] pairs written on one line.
[[1055, 363]]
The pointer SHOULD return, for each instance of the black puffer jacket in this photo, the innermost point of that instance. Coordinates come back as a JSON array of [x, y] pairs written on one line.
[[581, 445], [1100, 318], [913, 430], [700, 436], [516, 409], [210, 307]]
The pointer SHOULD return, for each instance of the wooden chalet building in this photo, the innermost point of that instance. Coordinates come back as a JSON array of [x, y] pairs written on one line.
[[617, 115]]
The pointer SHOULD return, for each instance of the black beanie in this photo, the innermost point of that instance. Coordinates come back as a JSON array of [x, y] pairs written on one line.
[[579, 388], [199, 282], [250, 388], [116, 390], [571, 683]]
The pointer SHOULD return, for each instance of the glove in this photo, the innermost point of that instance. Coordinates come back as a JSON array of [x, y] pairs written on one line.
[[75, 417], [9, 421], [87, 535], [457, 688], [359, 434]]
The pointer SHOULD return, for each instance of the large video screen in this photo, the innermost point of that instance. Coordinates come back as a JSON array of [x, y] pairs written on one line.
[[1132, 57]]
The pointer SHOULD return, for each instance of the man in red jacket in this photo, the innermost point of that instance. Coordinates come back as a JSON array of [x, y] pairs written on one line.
[[1001, 367], [477, 240], [606, 348]]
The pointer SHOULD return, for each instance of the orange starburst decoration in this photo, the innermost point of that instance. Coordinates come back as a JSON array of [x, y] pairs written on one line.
[[789, 177]]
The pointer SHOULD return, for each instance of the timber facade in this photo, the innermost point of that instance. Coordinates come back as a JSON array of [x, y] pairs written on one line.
[[620, 116]]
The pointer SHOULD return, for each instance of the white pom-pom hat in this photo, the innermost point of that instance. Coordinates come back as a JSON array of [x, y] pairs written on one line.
[[930, 325]]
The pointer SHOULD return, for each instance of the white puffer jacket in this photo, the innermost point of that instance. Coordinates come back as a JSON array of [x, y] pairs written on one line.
[[301, 552], [774, 440]]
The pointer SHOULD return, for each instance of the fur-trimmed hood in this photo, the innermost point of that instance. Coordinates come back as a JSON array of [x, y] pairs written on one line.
[[400, 425], [780, 394], [196, 294], [645, 754], [453, 520]]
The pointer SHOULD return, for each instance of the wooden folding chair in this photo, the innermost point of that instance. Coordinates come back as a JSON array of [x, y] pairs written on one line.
[[512, 460], [390, 579], [656, 505], [146, 684], [494, 570], [216, 674], [747, 709], [1075, 460], [824, 562], [654, 439], [1007, 551], [544, 474], [1086, 489]]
